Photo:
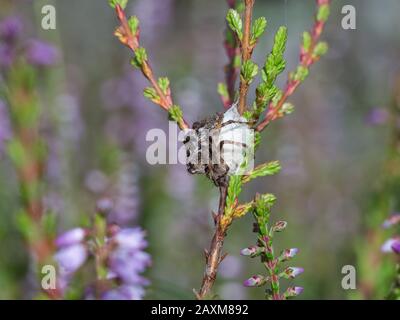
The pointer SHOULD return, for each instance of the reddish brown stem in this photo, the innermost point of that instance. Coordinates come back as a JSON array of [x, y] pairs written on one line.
[[214, 255], [126, 37], [306, 60], [232, 48], [247, 50]]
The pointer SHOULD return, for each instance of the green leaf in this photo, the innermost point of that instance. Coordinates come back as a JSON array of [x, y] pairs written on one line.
[[237, 61], [287, 108], [100, 226], [249, 71], [122, 3], [151, 94], [301, 73], [248, 115], [140, 57], [306, 41], [235, 22], [25, 225], [280, 41], [323, 13], [266, 169], [264, 94], [17, 153], [258, 29], [275, 62], [175, 113], [234, 190], [277, 97], [163, 82], [320, 49], [49, 223], [257, 139], [133, 23], [223, 90], [263, 204]]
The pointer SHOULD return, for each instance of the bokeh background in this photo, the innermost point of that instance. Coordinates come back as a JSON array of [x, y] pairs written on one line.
[[332, 148]]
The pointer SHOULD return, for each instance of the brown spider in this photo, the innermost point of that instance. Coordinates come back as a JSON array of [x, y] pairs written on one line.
[[204, 144]]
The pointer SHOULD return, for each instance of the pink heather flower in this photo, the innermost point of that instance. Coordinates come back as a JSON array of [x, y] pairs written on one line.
[[251, 251], [255, 281], [71, 258], [128, 260], [377, 116], [292, 252], [131, 238], [105, 205], [295, 291], [126, 263], [10, 29], [391, 221], [71, 237], [40, 53], [6, 55], [293, 272], [288, 254], [396, 247], [387, 247], [292, 292]]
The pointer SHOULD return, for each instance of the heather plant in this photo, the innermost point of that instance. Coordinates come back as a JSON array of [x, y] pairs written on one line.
[[114, 255], [376, 270], [21, 62], [264, 249], [392, 245], [241, 38]]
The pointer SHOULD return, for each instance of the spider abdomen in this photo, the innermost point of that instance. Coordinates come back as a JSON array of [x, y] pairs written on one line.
[[216, 146]]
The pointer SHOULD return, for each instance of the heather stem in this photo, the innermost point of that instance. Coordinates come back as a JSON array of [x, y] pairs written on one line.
[[214, 255], [247, 50], [271, 265], [126, 37], [231, 45], [307, 59]]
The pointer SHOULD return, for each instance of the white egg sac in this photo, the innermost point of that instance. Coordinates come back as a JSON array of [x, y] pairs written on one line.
[[238, 142]]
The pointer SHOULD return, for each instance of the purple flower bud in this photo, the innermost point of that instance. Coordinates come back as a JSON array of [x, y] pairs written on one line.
[[298, 290], [71, 258], [127, 265], [279, 226], [131, 238], [255, 281], [40, 53], [293, 292], [127, 261], [71, 237], [377, 116], [292, 272], [251, 251], [6, 55], [105, 205], [288, 254], [10, 29], [387, 247], [396, 247], [391, 221]]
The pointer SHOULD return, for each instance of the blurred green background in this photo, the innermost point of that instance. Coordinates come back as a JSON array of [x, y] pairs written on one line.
[[96, 121]]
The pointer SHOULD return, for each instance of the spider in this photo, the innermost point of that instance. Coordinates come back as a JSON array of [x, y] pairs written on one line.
[[216, 144]]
